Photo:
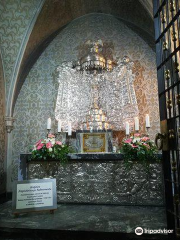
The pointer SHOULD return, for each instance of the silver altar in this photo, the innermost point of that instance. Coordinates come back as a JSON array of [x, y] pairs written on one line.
[[102, 181]]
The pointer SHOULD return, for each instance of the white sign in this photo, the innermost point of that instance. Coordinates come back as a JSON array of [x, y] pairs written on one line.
[[35, 195]]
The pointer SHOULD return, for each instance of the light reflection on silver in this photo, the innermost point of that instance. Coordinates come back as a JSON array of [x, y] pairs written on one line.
[[116, 95], [103, 182]]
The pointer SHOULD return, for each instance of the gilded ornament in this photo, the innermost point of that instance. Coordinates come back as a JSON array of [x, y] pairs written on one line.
[[167, 74], [165, 45], [178, 99], [176, 67], [172, 6], [163, 18], [169, 103], [171, 134], [174, 36]]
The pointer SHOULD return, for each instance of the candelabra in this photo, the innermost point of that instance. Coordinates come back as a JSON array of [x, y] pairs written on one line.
[[59, 128], [136, 126]]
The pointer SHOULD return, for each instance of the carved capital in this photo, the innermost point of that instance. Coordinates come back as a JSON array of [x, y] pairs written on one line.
[[9, 124]]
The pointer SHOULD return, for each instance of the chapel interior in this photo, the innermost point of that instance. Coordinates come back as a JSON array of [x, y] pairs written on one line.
[[94, 76]]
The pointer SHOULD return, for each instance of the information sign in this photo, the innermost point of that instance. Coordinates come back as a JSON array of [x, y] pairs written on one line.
[[34, 195]]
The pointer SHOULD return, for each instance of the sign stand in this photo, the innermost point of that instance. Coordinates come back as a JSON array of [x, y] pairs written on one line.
[[34, 195]]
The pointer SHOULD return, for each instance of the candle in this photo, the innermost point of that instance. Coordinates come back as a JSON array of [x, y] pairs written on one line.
[[136, 121], [69, 129], [127, 128], [59, 126], [147, 121], [49, 123]]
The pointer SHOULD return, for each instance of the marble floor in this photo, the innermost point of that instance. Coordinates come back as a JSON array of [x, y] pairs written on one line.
[[84, 218]]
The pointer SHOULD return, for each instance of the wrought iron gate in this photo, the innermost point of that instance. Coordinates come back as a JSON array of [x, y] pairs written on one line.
[[167, 37]]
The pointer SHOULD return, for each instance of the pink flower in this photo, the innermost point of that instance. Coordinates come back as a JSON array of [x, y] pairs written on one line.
[[40, 145], [49, 145], [58, 143], [129, 140], [137, 135], [144, 139], [38, 142], [51, 135], [146, 145], [134, 146]]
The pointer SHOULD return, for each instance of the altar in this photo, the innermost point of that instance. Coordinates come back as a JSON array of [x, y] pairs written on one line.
[[96, 113], [100, 178]]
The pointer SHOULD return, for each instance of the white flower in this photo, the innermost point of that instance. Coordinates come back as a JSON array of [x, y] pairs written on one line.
[[53, 141], [34, 147], [136, 140], [50, 149]]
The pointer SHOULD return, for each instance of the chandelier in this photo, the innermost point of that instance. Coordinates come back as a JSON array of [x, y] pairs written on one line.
[[94, 59]]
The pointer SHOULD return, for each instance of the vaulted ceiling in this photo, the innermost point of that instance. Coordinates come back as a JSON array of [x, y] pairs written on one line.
[[56, 14]]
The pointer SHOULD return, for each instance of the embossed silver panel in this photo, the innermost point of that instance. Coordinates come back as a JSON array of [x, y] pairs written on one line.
[[117, 96], [107, 182]]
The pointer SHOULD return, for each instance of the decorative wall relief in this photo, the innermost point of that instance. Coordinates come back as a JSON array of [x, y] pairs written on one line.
[[37, 99]]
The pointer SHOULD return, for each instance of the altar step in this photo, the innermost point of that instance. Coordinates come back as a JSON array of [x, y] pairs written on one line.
[[86, 222], [41, 234]]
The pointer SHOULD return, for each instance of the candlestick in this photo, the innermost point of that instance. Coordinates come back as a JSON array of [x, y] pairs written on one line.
[[136, 122], [127, 128], [69, 129], [48, 132], [147, 131], [147, 121], [49, 124], [59, 126]]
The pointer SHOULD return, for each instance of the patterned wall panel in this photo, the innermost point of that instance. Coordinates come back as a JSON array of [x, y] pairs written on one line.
[[15, 17], [2, 132], [38, 95]]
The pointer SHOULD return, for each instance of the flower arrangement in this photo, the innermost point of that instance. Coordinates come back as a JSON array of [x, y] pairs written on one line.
[[137, 148], [49, 148]]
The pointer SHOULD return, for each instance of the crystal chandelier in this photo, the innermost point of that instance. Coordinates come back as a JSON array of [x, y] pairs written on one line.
[[94, 61]]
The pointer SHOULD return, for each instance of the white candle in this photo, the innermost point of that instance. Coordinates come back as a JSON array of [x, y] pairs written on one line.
[[147, 120], [136, 122], [69, 129], [59, 125], [127, 128], [49, 123]]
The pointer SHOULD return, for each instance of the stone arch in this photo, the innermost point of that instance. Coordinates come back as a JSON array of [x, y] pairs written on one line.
[[3, 148]]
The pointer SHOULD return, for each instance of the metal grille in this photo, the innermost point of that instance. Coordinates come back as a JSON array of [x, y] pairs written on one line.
[[167, 35]]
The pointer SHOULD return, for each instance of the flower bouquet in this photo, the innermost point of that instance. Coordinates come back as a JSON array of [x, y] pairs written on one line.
[[50, 149], [137, 148]]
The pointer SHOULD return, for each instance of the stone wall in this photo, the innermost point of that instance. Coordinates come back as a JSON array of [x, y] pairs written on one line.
[[37, 98], [2, 133]]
